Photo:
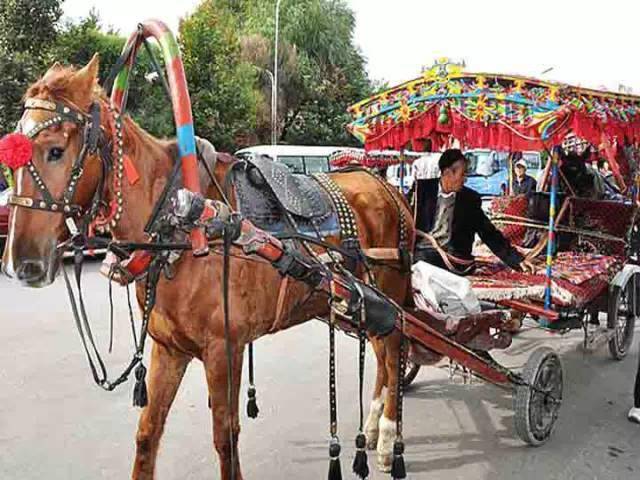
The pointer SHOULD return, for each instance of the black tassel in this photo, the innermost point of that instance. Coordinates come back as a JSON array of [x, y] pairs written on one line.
[[398, 470], [140, 390], [335, 471], [252, 404], [360, 465]]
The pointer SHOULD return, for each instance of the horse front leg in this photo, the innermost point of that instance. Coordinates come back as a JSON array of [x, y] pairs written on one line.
[[166, 370], [226, 422], [377, 403], [387, 423]]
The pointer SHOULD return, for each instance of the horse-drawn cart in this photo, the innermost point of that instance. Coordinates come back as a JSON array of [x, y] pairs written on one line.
[[116, 176], [591, 244]]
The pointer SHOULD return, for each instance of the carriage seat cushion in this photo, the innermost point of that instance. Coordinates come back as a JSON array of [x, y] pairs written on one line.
[[577, 278]]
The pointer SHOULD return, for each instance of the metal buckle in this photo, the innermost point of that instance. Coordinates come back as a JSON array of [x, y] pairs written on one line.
[[71, 225], [39, 103], [21, 201]]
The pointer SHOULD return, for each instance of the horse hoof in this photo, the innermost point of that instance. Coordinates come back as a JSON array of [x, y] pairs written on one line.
[[372, 441], [384, 463]]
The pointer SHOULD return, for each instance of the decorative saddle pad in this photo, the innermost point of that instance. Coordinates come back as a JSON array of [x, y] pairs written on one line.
[[267, 192]]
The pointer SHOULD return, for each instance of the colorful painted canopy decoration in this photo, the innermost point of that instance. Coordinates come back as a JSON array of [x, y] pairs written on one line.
[[486, 110]]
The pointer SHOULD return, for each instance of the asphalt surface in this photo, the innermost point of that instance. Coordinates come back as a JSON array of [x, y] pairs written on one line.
[[56, 424]]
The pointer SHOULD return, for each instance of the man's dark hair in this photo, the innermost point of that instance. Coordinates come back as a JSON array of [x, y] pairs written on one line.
[[449, 157]]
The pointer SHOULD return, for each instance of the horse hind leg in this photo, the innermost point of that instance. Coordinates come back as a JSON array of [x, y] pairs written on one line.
[[166, 370], [226, 422], [387, 424], [377, 403]]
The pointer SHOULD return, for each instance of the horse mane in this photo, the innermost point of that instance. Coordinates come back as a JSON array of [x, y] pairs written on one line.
[[55, 84]]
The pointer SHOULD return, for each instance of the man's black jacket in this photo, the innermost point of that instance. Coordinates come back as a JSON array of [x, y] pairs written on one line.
[[526, 187], [468, 219]]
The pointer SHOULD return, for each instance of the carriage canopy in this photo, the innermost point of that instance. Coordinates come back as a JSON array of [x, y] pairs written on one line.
[[487, 110]]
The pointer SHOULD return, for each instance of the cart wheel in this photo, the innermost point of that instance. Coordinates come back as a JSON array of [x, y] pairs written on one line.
[[411, 373], [537, 403], [622, 318]]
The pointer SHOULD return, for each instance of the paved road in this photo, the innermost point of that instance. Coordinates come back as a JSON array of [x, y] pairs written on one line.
[[55, 424]]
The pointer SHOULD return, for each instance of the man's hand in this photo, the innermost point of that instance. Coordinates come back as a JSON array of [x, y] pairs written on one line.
[[527, 267]]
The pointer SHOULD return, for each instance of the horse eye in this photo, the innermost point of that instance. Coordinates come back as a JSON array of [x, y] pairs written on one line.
[[55, 154]]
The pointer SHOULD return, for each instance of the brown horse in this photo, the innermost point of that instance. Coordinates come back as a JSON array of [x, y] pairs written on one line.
[[187, 321]]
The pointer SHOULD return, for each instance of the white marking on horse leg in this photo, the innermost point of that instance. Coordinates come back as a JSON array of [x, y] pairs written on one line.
[[371, 425], [385, 443]]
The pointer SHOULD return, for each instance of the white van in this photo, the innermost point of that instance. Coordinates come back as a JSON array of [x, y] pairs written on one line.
[[299, 159]]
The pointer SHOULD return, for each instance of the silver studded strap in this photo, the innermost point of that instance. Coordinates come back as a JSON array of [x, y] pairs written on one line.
[[62, 113], [350, 238]]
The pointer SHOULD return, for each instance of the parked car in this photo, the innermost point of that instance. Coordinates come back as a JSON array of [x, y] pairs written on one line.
[[299, 159]]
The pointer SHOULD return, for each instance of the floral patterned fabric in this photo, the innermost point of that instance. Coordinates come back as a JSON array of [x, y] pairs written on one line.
[[514, 206], [578, 278]]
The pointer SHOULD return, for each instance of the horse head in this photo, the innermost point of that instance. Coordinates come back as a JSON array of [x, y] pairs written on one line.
[[56, 185]]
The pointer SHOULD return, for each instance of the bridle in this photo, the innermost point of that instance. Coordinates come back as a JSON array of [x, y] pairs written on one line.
[[92, 139]]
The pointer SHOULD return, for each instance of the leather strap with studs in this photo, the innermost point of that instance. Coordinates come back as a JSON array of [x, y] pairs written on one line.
[[350, 238], [62, 113]]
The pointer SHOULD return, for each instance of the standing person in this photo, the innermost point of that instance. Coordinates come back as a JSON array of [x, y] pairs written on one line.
[[450, 215], [523, 184]]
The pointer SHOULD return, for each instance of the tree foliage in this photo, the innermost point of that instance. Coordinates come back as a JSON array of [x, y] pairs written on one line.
[[228, 53], [27, 31], [321, 71], [147, 102], [221, 85], [28, 26]]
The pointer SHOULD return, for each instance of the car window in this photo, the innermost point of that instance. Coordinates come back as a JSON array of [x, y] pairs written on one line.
[[533, 161], [316, 164], [295, 164]]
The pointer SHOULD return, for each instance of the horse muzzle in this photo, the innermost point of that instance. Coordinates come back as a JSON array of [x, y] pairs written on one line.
[[35, 273]]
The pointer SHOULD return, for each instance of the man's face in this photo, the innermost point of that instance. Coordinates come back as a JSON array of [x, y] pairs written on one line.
[[520, 171], [452, 178]]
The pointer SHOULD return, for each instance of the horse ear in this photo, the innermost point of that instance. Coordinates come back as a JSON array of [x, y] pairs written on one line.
[[85, 78]]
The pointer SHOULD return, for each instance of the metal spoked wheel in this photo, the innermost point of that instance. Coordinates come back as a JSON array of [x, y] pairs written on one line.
[[411, 373], [621, 317], [537, 402]]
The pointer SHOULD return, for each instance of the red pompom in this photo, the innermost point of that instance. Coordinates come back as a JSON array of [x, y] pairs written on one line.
[[15, 150]]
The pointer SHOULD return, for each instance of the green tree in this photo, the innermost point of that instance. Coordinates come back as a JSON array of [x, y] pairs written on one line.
[[147, 102], [28, 26], [321, 70], [221, 85], [27, 31]]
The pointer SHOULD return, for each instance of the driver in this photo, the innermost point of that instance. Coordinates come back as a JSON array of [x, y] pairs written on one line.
[[452, 215]]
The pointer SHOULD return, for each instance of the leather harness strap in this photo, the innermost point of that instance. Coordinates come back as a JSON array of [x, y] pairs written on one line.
[[91, 136], [349, 235], [448, 259]]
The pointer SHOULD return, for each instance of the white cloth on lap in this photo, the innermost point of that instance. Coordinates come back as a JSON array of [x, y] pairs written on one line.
[[436, 289]]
